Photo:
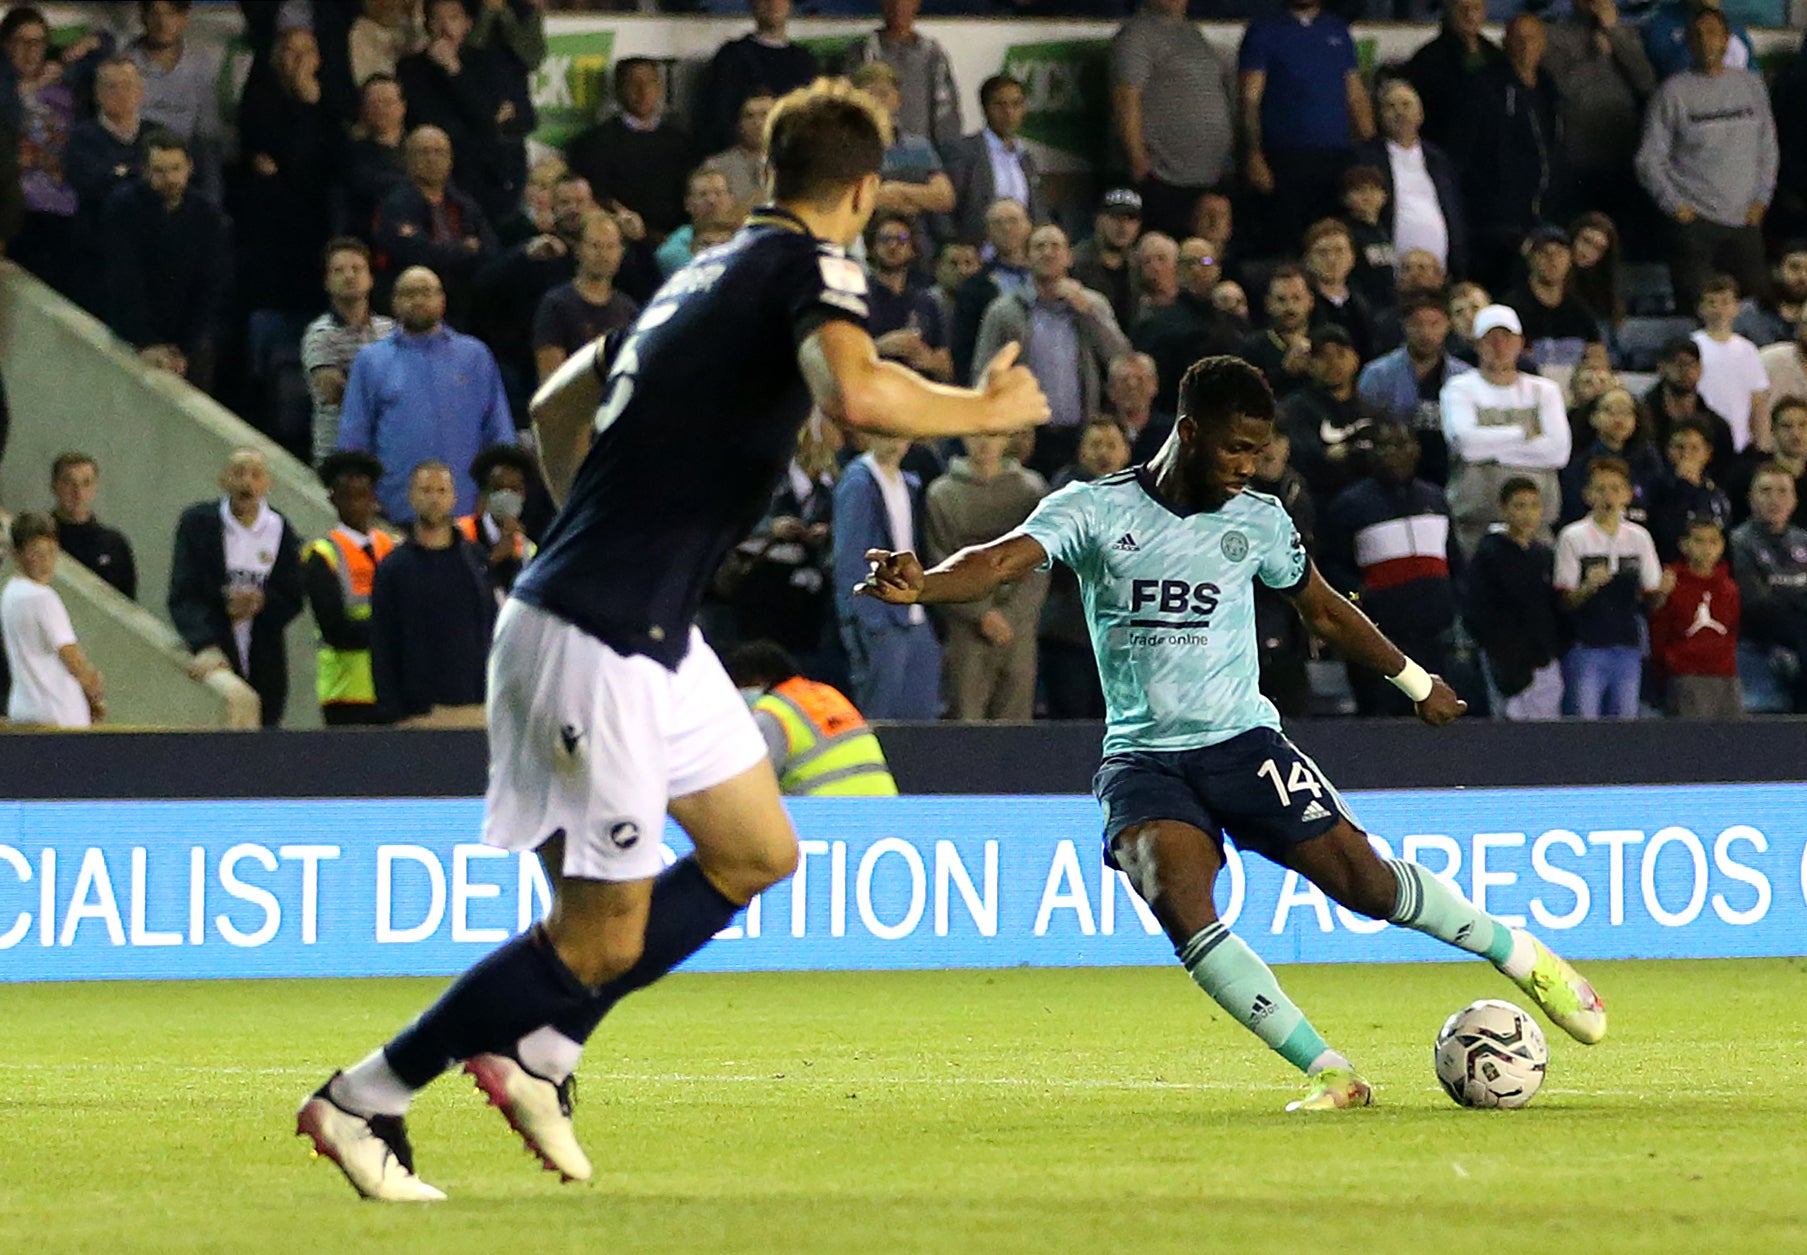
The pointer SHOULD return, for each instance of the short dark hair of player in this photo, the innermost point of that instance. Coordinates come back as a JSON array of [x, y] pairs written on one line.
[[1717, 283], [1217, 390], [30, 525], [822, 139], [69, 461], [995, 84], [1324, 227], [161, 138], [1517, 484], [343, 463], [1608, 464], [760, 664], [344, 244], [491, 456], [1362, 176]]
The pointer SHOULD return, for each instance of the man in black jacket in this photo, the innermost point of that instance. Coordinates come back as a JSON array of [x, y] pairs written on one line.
[[1188, 329], [432, 222], [1447, 70], [235, 582], [478, 97], [74, 479], [1509, 152], [167, 263], [431, 612], [639, 157], [1405, 159]]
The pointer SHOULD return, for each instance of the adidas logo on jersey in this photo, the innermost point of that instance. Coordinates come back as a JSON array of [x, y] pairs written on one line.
[[1314, 809], [1126, 544]]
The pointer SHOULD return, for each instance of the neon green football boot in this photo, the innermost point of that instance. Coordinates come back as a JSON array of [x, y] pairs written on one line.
[[1564, 994], [1333, 1089]]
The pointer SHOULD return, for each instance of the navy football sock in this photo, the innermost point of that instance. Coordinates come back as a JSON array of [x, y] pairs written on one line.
[[686, 911], [515, 989]]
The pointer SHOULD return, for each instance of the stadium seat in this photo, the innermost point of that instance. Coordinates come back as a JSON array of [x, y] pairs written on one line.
[[1648, 292], [1641, 339]]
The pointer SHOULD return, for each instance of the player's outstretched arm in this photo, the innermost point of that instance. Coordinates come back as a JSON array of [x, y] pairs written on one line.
[[1333, 617], [564, 415], [855, 388], [898, 578]]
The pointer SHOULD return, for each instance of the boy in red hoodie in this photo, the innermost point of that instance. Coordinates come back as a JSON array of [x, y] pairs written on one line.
[[1694, 634]]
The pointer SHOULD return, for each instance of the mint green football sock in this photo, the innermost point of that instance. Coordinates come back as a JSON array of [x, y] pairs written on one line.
[[1223, 966], [1431, 907]]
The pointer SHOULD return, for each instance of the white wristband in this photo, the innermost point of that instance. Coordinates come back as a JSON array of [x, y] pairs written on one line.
[[1413, 680]]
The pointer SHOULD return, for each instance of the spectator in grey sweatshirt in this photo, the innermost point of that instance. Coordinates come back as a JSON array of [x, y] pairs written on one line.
[[1708, 159], [988, 668]]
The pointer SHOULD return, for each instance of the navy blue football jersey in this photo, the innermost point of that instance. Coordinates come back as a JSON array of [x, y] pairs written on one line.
[[699, 419]]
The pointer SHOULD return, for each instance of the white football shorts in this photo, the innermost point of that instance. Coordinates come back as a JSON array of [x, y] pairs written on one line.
[[597, 743]]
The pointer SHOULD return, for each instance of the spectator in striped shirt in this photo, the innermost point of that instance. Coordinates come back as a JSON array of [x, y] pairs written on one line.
[[333, 339]]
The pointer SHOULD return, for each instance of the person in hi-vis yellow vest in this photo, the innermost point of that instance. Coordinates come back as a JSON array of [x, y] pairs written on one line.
[[819, 744], [336, 573]]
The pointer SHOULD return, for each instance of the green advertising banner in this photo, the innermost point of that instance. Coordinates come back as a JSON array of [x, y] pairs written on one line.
[[1068, 85], [572, 84], [831, 50]]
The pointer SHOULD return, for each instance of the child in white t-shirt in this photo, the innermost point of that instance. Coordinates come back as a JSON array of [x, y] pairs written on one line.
[[53, 684], [1733, 382], [1605, 566]]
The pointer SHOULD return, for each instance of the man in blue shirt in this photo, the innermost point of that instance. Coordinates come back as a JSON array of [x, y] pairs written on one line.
[[1167, 557], [1303, 104], [423, 393]]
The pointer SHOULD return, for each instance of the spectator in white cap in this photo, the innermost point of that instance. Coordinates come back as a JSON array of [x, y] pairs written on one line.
[[1501, 423]]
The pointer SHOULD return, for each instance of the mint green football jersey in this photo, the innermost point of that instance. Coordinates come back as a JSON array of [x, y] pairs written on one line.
[[1170, 602]]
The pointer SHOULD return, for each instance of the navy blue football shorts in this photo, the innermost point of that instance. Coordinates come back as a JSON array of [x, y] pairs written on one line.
[[1257, 787]]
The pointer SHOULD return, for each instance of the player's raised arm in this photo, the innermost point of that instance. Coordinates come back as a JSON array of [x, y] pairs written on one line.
[[1334, 618], [855, 388], [564, 415], [898, 578]]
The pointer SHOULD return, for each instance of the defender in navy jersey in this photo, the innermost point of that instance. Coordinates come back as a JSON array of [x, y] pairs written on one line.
[[607, 711], [1167, 555]]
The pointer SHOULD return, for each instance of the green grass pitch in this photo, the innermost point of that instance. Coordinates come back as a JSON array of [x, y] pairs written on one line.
[[1020, 1110]]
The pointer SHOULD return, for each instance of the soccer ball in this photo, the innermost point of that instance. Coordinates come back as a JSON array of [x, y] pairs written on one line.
[[1491, 1054]]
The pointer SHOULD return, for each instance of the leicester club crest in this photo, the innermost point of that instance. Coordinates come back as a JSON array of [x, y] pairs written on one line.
[[1235, 546]]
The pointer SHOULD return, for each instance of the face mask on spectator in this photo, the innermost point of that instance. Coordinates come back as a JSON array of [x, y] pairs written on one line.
[[506, 504]]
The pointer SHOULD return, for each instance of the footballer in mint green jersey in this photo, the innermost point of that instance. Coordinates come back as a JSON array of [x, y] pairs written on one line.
[[1167, 555], [1170, 599]]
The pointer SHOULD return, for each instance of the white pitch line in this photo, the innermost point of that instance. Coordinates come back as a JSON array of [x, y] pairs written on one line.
[[811, 1077]]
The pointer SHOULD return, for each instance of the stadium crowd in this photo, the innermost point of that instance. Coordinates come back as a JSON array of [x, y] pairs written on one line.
[[1536, 312]]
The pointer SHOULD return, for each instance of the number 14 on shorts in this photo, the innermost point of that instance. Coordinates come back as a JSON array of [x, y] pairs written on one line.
[[1299, 779]]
